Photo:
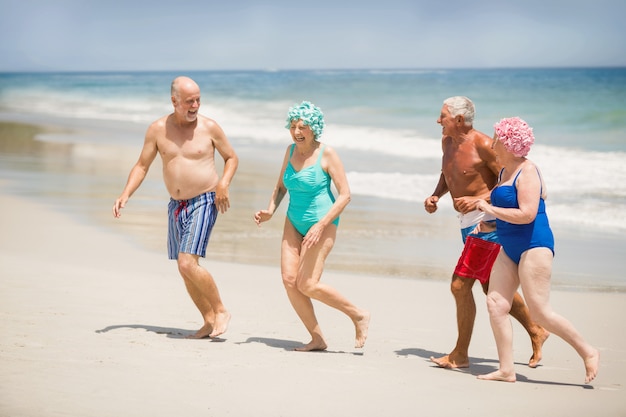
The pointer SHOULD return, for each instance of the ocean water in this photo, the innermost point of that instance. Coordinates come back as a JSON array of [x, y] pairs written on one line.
[[382, 122]]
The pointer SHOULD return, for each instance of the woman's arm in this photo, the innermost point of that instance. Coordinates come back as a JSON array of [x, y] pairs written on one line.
[[528, 186]]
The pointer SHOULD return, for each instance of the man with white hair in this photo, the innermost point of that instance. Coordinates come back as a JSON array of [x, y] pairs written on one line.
[[469, 171]]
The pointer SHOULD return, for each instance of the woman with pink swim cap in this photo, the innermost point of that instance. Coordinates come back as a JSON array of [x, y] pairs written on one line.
[[518, 204]]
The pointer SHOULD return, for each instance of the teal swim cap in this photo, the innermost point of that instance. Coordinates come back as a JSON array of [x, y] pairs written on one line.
[[310, 114]]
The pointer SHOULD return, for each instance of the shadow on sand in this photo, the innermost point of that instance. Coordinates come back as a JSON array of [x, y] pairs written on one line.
[[170, 332], [480, 366]]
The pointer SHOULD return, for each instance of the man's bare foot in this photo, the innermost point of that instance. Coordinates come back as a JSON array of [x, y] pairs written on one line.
[[312, 346], [221, 324], [537, 343], [449, 363], [204, 331], [592, 363], [498, 376], [362, 325]]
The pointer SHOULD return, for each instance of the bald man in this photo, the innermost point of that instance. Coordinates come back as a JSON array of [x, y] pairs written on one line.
[[186, 142]]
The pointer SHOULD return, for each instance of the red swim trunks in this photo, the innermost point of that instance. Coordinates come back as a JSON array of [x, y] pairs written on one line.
[[477, 259]]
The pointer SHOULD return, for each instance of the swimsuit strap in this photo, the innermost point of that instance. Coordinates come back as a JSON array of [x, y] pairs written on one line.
[[540, 182], [319, 157], [515, 179], [500, 175], [538, 174]]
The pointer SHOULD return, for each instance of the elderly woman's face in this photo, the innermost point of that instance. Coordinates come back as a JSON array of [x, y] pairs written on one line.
[[497, 146], [300, 132]]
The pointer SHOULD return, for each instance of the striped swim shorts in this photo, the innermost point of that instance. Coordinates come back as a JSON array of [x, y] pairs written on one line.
[[190, 224]]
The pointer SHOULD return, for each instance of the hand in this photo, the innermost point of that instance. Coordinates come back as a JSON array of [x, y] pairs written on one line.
[[313, 236], [222, 202], [465, 204], [262, 216], [485, 227], [430, 204], [483, 206], [119, 204]]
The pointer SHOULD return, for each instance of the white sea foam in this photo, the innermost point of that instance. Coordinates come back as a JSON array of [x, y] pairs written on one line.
[[593, 197]]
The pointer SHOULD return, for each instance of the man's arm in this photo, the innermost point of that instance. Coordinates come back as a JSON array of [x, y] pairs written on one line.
[[430, 204], [231, 162], [138, 172], [486, 152]]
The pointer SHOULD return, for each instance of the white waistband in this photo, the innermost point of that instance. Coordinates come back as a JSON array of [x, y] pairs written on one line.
[[472, 218]]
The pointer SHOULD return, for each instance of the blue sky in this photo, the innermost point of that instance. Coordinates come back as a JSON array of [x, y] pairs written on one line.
[[108, 35]]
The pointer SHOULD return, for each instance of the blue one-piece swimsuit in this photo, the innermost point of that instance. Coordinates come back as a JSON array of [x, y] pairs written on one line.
[[518, 238], [310, 196]]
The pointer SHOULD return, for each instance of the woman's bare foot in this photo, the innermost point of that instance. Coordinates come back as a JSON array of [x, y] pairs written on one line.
[[449, 363], [498, 376], [312, 346], [221, 324], [537, 343], [362, 325], [592, 362], [204, 331]]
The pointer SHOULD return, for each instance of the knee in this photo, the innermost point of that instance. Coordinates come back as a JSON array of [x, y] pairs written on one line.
[[186, 264], [497, 306], [461, 287], [289, 281], [305, 287]]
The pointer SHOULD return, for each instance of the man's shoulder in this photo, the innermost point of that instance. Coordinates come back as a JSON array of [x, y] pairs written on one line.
[[478, 136], [210, 127], [157, 128], [474, 138], [160, 122], [206, 121]]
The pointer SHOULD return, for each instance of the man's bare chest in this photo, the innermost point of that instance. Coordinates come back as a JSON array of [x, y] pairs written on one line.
[[194, 147]]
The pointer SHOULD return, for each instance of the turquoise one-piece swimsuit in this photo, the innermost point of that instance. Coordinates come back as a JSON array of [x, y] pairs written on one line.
[[310, 196]]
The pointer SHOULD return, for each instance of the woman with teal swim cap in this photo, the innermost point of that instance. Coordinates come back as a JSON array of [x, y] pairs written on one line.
[[310, 229]]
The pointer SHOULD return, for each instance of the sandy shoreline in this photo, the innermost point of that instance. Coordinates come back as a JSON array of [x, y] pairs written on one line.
[[92, 324]]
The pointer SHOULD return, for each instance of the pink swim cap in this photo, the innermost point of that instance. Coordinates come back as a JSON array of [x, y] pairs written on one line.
[[515, 134]]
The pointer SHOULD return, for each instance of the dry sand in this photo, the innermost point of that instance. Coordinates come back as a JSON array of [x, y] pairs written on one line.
[[93, 325]]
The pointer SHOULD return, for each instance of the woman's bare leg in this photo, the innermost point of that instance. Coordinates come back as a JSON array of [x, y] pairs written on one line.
[[502, 288], [312, 262], [535, 272], [290, 261]]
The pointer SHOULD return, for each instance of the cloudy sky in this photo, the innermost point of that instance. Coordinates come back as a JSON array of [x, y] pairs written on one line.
[[85, 35]]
